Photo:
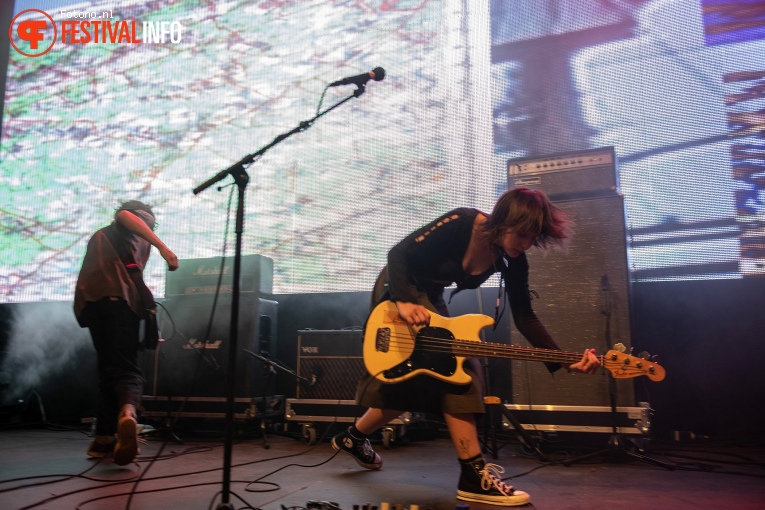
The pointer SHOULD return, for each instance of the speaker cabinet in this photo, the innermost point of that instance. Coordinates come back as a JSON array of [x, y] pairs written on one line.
[[193, 363], [584, 302], [332, 362]]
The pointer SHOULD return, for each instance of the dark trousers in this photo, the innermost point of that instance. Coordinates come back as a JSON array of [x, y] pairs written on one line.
[[115, 329]]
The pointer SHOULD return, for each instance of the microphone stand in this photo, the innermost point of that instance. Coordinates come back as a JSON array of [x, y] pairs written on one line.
[[279, 366], [238, 172], [269, 367], [616, 444]]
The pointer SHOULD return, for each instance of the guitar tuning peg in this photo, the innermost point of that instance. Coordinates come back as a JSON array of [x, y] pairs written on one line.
[[644, 355], [619, 347], [655, 358]]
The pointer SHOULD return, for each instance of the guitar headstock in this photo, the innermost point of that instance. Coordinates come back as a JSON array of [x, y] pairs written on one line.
[[625, 366]]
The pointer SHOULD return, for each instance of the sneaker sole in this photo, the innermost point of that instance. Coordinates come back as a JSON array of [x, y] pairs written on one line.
[[100, 455], [373, 467], [516, 500], [127, 441]]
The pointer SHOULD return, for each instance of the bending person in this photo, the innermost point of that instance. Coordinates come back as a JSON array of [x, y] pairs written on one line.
[[465, 246]]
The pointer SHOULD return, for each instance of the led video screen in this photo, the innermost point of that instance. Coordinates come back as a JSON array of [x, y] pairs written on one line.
[[147, 100]]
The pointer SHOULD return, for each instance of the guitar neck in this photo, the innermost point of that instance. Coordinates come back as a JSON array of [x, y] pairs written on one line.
[[470, 349]]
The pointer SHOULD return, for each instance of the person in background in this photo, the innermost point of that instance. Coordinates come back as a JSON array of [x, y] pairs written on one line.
[[465, 246], [107, 302]]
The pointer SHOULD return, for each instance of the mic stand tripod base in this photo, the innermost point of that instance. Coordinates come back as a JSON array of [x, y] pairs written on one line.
[[616, 448], [523, 436], [269, 368], [166, 432], [268, 373]]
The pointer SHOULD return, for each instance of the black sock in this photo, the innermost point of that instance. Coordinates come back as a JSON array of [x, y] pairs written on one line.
[[355, 433], [471, 459]]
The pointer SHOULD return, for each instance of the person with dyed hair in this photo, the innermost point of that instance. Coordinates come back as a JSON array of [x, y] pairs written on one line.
[[464, 247]]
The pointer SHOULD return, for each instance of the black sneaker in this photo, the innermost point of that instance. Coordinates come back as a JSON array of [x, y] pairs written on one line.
[[482, 483], [359, 449]]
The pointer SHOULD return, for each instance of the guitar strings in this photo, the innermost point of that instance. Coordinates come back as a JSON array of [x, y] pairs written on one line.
[[480, 349], [477, 349]]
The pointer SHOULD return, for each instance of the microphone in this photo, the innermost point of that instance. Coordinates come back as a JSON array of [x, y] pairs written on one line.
[[376, 74], [316, 374]]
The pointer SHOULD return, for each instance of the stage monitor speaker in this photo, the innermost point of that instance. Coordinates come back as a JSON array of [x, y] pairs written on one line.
[[332, 361], [189, 363], [578, 291]]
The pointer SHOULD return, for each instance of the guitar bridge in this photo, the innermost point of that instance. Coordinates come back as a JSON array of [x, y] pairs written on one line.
[[382, 340]]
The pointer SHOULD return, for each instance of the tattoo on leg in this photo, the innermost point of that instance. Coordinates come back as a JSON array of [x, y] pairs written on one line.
[[464, 447]]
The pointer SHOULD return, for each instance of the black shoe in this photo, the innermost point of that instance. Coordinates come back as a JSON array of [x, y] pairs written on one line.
[[359, 449], [481, 483]]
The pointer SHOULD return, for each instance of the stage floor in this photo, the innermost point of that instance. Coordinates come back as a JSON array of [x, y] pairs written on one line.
[[48, 469]]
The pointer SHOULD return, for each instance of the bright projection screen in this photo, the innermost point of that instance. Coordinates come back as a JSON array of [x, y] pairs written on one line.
[[675, 86]]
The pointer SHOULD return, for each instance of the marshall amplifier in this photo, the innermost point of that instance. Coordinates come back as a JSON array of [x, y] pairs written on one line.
[[576, 174], [199, 277], [193, 360], [332, 361]]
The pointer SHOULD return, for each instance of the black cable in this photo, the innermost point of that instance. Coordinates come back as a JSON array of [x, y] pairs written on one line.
[[321, 99], [40, 484], [277, 486], [134, 491], [202, 351], [174, 420], [172, 322], [747, 460]]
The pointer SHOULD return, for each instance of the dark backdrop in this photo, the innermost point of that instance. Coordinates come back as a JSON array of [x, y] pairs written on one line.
[[709, 335]]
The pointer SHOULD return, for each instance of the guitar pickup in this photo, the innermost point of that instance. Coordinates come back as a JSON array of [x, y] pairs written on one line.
[[382, 340]]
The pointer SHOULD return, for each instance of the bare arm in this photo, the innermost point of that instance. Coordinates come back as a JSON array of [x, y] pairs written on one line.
[[137, 226]]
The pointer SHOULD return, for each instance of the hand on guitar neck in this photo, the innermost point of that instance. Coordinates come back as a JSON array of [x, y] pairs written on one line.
[[589, 363]]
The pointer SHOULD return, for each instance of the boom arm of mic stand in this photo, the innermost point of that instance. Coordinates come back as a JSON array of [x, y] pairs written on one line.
[[277, 365], [233, 170], [239, 167]]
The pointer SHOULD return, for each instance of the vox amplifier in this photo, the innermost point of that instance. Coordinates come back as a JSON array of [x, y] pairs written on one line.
[[332, 361]]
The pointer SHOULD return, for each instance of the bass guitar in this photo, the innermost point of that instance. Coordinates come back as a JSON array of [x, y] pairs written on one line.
[[394, 351]]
